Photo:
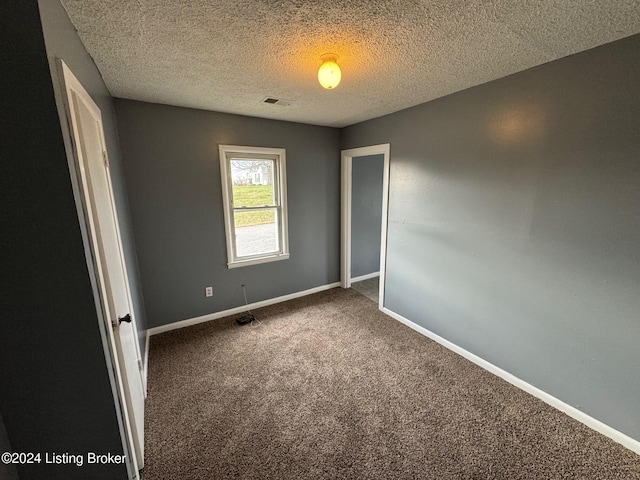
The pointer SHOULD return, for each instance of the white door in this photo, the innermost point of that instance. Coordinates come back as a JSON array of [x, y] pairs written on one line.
[[92, 160]]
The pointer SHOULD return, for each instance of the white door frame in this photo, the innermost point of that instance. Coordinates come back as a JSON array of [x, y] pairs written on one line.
[[345, 235], [71, 88]]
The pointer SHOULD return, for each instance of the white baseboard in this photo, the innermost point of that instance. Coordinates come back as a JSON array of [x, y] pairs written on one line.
[[234, 311], [365, 277], [597, 425]]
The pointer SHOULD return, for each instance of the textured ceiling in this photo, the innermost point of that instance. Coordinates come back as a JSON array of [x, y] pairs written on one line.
[[228, 55]]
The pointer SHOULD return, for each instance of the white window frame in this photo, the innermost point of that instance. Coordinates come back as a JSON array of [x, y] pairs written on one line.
[[227, 152]]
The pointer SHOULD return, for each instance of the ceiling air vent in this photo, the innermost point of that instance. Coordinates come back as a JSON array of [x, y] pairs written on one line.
[[276, 101]]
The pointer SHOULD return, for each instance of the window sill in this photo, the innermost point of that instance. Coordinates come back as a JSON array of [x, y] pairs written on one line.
[[256, 261]]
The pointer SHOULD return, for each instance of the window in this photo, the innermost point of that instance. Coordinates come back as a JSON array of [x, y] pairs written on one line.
[[254, 195]]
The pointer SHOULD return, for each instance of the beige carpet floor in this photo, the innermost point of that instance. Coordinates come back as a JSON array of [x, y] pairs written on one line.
[[328, 387]]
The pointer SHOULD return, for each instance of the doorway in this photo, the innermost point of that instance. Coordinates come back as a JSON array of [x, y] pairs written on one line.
[[356, 265], [106, 252]]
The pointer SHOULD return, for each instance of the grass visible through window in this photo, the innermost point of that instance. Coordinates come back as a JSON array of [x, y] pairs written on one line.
[[253, 196]]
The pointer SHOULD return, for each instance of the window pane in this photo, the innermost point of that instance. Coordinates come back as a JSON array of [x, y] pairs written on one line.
[[256, 232], [252, 182], [255, 201]]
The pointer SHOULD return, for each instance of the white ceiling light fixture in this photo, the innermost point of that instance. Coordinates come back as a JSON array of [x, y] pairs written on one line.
[[329, 73]]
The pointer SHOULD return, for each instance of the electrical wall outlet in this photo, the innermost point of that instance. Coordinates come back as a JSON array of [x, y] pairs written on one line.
[[208, 292]]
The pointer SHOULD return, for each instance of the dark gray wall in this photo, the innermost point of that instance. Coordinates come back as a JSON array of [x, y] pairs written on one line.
[[514, 225], [366, 214], [172, 171], [8, 471], [55, 393], [63, 42]]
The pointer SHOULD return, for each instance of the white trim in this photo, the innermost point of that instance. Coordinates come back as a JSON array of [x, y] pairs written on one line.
[[345, 224], [146, 362], [234, 311], [362, 278], [280, 178], [256, 261], [597, 425], [345, 230]]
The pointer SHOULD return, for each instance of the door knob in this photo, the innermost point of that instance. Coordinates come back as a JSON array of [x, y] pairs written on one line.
[[126, 318]]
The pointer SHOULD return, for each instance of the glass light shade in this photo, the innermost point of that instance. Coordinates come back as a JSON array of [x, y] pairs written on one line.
[[329, 74]]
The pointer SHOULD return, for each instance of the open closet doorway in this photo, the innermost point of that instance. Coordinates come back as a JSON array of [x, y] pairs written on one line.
[[365, 191]]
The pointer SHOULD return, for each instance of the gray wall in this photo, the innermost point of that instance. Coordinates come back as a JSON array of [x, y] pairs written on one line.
[[514, 225], [172, 171], [8, 471], [55, 393], [366, 214], [63, 42]]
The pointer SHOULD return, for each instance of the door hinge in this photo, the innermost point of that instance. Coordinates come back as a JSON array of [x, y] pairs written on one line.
[[140, 365], [105, 158]]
